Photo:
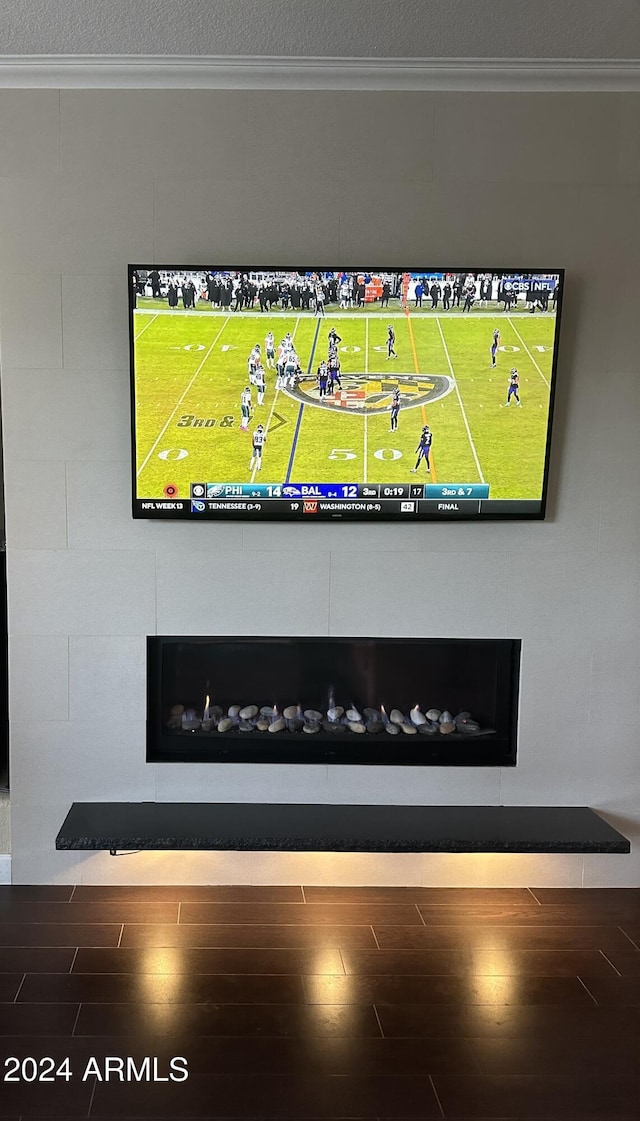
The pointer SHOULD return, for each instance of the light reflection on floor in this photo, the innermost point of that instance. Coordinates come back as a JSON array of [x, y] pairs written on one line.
[[160, 984]]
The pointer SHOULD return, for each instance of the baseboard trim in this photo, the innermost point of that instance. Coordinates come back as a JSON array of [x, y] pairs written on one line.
[[5, 869], [281, 73]]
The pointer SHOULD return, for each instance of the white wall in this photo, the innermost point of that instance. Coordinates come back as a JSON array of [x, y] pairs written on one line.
[[5, 825], [569, 29], [92, 180]]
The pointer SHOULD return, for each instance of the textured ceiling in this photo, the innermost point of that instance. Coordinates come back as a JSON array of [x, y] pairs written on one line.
[[540, 29]]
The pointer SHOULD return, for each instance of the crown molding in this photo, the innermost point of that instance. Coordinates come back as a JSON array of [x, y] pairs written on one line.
[[279, 73]]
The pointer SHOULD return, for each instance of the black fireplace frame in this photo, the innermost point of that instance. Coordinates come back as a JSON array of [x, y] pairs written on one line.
[[496, 750]]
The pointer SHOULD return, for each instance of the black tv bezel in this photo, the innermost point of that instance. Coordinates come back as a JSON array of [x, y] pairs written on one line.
[[264, 515]]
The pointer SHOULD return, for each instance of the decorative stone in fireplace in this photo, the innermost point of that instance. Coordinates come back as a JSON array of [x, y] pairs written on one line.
[[384, 701]]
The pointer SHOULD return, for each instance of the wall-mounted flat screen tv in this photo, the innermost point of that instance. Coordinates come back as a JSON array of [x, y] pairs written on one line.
[[357, 394]]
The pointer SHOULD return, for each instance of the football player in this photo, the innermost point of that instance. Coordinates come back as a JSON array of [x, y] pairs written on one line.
[[424, 449], [322, 376], [395, 409], [514, 385], [269, 350], [245, 408], [260, 383], [494, 347], [391, 340], [289, 374], [280, 360], [258, 441], [252, 362], [334, 371]]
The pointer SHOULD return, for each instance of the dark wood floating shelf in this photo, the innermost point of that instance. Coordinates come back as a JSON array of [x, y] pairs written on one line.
[[258, 827]]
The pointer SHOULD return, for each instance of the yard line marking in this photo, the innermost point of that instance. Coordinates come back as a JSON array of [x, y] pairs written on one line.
[[517, 333], [462, 409], [388, 313], [294, 444], [413, 342], [275, 398], [255, 466], [207, 355], [434, 477], [145, 328], [366, 375]]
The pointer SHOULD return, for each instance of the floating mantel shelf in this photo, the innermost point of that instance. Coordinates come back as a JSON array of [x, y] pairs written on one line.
[[259, 827]]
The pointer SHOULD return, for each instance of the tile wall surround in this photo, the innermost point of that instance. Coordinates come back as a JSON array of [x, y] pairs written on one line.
[[91, 180]]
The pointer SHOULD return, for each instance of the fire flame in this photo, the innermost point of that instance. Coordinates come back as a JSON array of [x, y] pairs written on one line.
[[205, 715], [385, 718]]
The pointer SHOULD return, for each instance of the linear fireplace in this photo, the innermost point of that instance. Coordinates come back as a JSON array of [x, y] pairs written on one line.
[[384, 701]]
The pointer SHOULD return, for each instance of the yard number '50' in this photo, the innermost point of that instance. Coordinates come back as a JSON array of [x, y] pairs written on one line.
[[342, 453]]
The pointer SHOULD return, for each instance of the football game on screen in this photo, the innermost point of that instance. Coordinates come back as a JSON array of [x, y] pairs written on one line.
[[274, 393]]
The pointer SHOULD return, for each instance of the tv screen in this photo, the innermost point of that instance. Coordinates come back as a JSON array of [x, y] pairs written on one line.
[[352, 394]]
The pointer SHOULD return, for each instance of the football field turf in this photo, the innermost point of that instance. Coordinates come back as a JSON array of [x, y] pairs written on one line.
[[191, 368]]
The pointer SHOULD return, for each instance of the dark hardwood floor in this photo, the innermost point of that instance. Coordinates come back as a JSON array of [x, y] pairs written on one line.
[[319, 1004]]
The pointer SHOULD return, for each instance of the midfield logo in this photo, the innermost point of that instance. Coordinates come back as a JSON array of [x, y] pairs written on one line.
[[373, 393]]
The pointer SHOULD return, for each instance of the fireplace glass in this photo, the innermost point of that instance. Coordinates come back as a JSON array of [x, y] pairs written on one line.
[[384, 701]]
